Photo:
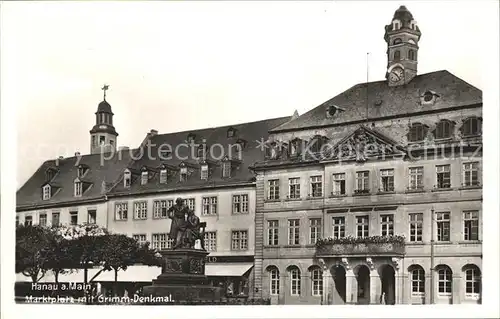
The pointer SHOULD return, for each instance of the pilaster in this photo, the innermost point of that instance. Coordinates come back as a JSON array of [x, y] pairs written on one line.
[[351, 287], [456, 289], [375, 287]]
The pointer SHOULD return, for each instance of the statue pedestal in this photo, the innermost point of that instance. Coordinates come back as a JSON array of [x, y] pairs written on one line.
[[182, 279]]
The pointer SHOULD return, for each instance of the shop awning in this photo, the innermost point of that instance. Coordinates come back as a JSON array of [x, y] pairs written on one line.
[[226, 269]]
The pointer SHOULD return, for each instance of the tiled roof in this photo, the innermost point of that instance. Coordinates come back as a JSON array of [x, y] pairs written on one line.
[[99, 171], [386, 101], [251, 133]]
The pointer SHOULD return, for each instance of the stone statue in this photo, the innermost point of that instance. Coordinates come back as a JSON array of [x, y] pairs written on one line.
[[192, 231], [177, 213]]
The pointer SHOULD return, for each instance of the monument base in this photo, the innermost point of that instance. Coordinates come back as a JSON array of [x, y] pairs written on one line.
[[182, 279]]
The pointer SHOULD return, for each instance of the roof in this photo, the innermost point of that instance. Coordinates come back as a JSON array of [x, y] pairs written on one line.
[[252, 133], [386, 101], [30, 194], [104, 107]]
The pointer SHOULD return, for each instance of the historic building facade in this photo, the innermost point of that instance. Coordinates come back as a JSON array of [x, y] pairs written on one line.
[[375, 195]]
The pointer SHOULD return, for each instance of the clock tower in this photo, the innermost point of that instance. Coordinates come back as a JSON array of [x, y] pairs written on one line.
[[402, 37], [103, 135]]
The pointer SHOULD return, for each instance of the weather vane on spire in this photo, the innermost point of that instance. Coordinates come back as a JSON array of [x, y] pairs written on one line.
[[105, 88]]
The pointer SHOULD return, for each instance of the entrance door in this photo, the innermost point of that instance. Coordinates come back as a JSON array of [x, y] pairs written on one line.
[[388, 285], [340, 281], [363, 279]]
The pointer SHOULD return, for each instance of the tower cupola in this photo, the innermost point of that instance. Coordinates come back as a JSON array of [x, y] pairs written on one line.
[[103, 135]]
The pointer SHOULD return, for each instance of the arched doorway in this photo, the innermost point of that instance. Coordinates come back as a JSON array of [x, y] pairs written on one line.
[[387, 277], [339, 279], [363, 280]]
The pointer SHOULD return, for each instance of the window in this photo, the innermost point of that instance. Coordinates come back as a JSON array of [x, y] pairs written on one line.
[[417, 132], [387, 180], [226, 169], [317, 282], [94, 141], [191, 137], [294, 188], [121, 211], [272, 232], [316, 186], [397, 41], [240, 204], [397, 55], [416, 226], [274, 281], [471, 225], [80, 171], [273, 189], [160, 209], [471, 127], [295, 282], [91, 216], [443, 226], [239, 240], [55, 219], [163, 176], [210, 240], [144, 178], [362, 182], [470, 174], [416, 178], [73, 218], [183, 174], [141, 210], [295, 147], [141, 238], [202, 151], [338, 227], [444, 129], [411, 55], [443, 176], [102, 140], [362, 226], [387, 225], [417, 281], [317, 143], [127, 179], [472, 282], [204, 172], [338, 184], [189, 202], [78, 188], [28, 220], [209, 206], [428, 96], [17, 220], [396, 25], [160, 241], [42, 220], [444, 280], [293, 232], [165, 154], [46, 192], [314, 230], [230, 132]]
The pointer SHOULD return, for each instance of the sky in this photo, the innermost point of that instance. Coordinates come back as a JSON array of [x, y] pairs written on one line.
[[175, 66]]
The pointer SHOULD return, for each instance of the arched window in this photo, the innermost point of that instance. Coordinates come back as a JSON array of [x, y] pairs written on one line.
[[317, 281], [471, 126], [444, 129], [274, 280], [397, 41], [417, 274], [417, 132], [411, 41], [444, 280], [294, 281], [411, 54], [472, 281], [397, 55]]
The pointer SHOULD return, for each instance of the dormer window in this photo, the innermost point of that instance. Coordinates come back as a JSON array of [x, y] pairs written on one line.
[[49, 174], [163, 176], [317, 143], [165, 154], [82, 170], [183, 174], [46, 192], [444, 129], [204, 172], [231, 132], [191, 137], [417, 133], [272, 150], [202, 151], [226, 169], [144, 177], [295, 147], [127, 179], [78, 188], [471, 126]]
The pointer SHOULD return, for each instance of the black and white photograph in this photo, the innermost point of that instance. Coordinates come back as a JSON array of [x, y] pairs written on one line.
[[291, 159]]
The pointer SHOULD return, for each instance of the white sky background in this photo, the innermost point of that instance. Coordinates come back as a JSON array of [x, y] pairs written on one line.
[[177, 66]]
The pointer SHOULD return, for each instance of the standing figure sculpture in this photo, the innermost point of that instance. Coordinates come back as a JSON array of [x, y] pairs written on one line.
[[177, 213], [192, 232]]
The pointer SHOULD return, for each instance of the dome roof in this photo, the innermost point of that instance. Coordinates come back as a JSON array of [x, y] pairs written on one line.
[[104, 107], [403, 15]]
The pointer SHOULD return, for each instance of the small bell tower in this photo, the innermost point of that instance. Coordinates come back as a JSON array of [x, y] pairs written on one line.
[[402, 37], [103, 136]]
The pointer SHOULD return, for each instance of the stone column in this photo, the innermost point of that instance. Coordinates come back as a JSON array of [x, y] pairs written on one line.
[[327, 287], [375, 287], [351, 287], [428, 289], [456, 289]]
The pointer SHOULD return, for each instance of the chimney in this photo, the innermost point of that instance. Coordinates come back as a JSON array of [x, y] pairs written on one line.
[[104, 187], [153, 132], [295, 115], [77, 154], [57, 160]]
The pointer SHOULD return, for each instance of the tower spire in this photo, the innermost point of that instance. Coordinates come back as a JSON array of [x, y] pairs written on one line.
[[104, 88]]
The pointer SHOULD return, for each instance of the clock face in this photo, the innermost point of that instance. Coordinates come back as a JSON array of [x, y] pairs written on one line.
[[396, 75]]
